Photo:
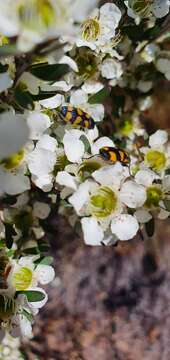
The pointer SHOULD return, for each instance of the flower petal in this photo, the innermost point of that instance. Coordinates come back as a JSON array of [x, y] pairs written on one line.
[[38, 123], [78, 97], [52, 102], [143, 215], [111, 69], [5, 81], [108, 175], [132, 194], [159, 138], [93, 233], [80, 197], [145, 177], [73, 147], [13, 184], [65, 179], [14, 133], [124, 226], [44, 274]]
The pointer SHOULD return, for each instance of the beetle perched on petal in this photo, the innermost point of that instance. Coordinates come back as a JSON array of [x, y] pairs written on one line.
[[76, 117], [114, 154]]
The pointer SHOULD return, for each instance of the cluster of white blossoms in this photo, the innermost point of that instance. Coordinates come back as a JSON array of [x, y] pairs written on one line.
[[74, 81], [9, 349]]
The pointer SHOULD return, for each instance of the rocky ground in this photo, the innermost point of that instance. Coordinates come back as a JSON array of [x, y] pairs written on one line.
[[107, 303]]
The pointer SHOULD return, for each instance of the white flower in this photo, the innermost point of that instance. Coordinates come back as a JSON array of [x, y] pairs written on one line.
[[33, 24], [100, 28], [158, 139], [80, 197], [132, 194], [156, 193], [111, 174], [73, 146], [157, 155], [65, 179], [14, 133], [92, 86], [25, 275], [5, 81], [143, 215], [160, 8], [111, 69], [53, 102], [93, 233], [103, 201], [38, 124], [41, 162], [124, 226], [13, 183], [138, 9], [146, 177], [163, 65], [9, 348], [80, 10], [13, 172]]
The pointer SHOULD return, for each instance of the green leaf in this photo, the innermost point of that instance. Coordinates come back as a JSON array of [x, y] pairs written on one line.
[[167, 204], [150, 227], [10, 253], [99, 96], [31, 251], [3, 68], [44, 248], [9, 233], [48, 72], [32, 295], [46, 260], [86, 143], [43, 95], [24, 99]]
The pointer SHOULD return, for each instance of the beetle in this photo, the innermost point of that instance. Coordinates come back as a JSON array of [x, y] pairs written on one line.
[[114, 154], [76, 117]]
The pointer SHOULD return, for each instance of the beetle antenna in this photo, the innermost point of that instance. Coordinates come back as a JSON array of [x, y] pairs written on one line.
[[91, 157]]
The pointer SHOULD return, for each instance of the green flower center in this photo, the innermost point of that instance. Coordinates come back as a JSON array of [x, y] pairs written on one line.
[[141, 7], [36, 13], [126, 127], [87, 63], [154, 195], [91, 29], [156, 159], [87, 168], [22, 279], [13, 161], [103, 203]]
